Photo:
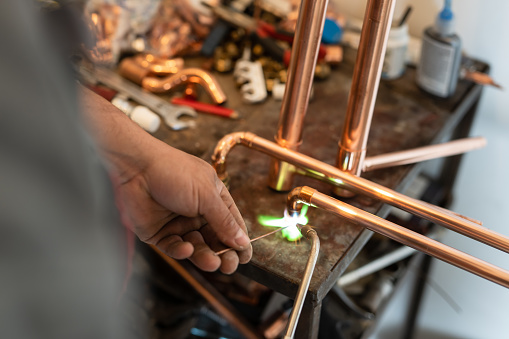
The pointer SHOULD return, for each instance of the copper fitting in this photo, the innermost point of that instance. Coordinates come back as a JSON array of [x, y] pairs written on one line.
[[223, 148], [130, 69], [159, 66], [406, 236], [293, 203], [144, 65], [183, 77]]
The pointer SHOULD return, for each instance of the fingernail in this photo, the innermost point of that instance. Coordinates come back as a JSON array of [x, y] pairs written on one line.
[[242, 239]]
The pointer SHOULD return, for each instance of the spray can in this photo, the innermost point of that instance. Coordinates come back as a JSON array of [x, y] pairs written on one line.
[[439, 66]]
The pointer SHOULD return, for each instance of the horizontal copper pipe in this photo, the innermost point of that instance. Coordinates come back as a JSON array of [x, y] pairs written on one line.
[[398, 233], [183, 77], [357, 184], [423, 153]]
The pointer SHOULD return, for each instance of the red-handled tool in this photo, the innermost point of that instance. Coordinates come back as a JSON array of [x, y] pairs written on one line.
[[206, 108]]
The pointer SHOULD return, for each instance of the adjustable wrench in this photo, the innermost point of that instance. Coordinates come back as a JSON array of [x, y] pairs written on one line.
[[170, 113]]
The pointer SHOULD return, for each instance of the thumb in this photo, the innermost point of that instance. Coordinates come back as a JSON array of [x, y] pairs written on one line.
[[224, 218]]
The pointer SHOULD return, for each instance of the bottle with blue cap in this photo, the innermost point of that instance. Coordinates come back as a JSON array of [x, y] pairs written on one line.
[[439, 65]]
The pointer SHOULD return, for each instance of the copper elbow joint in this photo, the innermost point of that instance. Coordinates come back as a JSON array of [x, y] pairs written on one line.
[[223, 148], [159, 66], [183, 77], [296, 198], [147, 65], [146, 70]]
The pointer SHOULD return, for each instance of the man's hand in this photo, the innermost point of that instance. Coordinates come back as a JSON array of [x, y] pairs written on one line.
[[167, 197]]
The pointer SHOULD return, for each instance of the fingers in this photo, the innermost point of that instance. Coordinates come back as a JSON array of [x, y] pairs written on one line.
[[203, 257], [244, 255], [229, 262], [194, 239], [188, 197], [223, 216], [178, 225], [169, 238], [198, 252], [228, 201], [175, 247]]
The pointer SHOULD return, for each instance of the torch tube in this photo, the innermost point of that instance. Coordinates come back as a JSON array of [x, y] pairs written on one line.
[[309, 233]]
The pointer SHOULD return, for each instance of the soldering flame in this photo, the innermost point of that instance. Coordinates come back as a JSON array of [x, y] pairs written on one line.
[[292, 232]]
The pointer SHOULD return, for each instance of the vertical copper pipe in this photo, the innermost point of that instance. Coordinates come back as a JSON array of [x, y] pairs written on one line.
[[403, 235], [298, 87], [366, 78]]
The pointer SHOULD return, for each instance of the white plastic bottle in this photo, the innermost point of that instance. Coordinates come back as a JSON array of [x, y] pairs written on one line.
[[395, 55], [439, 65], [141, 115]]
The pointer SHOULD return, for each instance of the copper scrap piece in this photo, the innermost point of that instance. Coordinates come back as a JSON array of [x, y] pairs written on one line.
[[183, 77]]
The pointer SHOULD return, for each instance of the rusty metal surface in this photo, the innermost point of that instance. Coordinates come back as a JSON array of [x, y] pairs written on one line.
[[404, 117]]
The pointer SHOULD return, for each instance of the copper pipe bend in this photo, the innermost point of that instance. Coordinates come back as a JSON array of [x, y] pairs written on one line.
[[223, 148], [183, 77]]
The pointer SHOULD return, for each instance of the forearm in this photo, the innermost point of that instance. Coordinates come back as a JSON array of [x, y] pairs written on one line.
[[126, 147]]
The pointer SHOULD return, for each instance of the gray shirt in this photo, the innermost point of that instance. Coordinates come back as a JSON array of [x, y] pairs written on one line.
[[61, 267]]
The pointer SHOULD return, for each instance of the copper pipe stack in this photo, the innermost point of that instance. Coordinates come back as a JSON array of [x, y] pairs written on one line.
[[298, 87], [398, 233]]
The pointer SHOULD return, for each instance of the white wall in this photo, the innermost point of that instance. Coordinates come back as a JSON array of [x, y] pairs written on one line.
[[483, 26], [483, 182]]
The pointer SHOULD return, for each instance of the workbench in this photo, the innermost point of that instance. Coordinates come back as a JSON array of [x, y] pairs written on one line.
[[405, 117]]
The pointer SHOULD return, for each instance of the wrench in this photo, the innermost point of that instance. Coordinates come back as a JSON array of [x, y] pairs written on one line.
[[171, 114]]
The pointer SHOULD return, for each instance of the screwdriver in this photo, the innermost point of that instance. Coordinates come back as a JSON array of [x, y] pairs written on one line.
[[254, 239]]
